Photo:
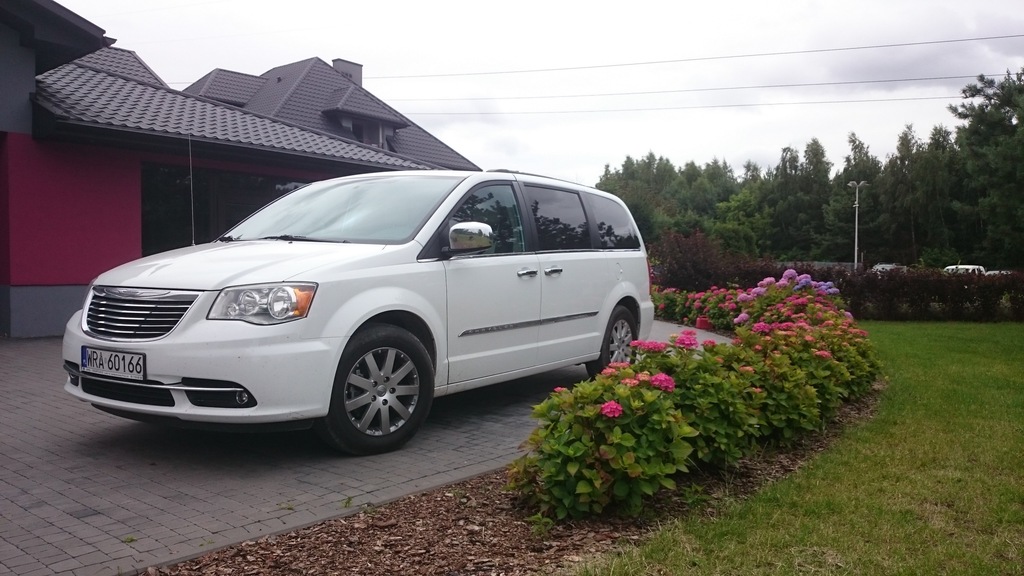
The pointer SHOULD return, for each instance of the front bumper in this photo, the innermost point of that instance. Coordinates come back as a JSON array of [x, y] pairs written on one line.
[[215, 372]]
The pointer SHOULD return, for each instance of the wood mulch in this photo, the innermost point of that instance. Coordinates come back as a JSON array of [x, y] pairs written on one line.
[[476, 528]]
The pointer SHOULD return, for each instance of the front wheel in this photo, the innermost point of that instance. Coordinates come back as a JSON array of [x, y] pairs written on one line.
[[615, 346], [382, 392]]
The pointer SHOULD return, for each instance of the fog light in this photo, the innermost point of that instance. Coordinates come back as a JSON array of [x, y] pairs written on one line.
[[242, 397]]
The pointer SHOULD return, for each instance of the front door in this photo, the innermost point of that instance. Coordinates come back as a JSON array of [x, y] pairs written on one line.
[[493, 297]]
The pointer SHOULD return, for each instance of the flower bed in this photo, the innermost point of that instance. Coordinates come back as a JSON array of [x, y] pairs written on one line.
[[610, 442]]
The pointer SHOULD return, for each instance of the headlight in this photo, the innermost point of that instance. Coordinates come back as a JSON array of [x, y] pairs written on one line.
[[263, 303]]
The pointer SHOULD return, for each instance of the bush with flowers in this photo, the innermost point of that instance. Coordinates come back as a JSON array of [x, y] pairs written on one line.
[[716, 400], [606, 443], [795, 358]]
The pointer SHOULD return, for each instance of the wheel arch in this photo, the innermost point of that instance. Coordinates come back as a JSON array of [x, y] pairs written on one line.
[[411, 323]]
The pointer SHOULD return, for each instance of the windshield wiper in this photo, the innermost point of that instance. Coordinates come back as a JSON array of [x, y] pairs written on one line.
[[226, 238], [293, 238]]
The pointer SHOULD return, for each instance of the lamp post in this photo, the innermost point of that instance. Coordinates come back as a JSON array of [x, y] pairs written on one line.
[[856, 216]]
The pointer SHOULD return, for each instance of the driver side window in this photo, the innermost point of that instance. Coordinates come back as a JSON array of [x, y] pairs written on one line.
[[494, 205]]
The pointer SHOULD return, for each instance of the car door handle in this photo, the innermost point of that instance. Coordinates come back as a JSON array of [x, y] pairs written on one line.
[[553, 270], [526, 272]]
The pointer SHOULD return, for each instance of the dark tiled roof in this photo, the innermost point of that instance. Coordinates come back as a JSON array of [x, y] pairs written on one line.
[[301, 93], [417, 143], [353, 100], [226, 86], [280, 82], [80, 94], [123, 62]]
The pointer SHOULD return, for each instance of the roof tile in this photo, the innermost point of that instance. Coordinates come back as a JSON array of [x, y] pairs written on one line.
[[85, 95]]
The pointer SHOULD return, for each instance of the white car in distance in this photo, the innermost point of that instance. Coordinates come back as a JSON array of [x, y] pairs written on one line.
[[348, 305]]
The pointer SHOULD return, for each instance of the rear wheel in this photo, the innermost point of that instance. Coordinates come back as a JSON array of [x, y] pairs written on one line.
[[615, 346], [382, 392]]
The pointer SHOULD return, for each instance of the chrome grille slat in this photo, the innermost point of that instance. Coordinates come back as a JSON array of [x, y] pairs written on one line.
[[129, 314]]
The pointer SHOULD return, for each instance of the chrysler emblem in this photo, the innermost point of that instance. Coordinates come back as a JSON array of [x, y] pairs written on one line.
[[129, 292]]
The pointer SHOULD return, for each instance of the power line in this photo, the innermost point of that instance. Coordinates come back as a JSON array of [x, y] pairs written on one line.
[[687, 90], [695, 107], [700, 58]]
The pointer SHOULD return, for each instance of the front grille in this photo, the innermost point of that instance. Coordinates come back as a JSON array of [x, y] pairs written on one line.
[[133, 393], [135, 314]]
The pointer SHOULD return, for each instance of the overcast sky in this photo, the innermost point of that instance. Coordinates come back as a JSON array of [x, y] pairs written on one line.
[[685, 80]]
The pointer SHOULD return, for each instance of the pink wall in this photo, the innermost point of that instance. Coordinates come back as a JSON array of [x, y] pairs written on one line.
[[5, 247], [75, 210]]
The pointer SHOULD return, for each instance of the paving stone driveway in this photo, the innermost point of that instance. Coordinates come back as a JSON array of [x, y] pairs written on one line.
[[84, 493]]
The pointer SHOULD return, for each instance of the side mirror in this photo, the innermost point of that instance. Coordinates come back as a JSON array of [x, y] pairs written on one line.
[[469, 237]]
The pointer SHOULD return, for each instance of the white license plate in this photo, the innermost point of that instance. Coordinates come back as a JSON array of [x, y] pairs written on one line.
[[114, 363]]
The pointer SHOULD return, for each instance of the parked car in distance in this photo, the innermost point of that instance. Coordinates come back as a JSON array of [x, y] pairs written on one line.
[[998, 272], [964, 269], [348, 305], [882, 267]]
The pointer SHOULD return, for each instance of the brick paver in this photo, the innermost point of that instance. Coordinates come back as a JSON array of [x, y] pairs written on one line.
[[86, 493]]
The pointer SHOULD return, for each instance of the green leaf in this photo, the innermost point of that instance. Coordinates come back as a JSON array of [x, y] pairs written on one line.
[[621, 488], [584, 487], [607, 452]]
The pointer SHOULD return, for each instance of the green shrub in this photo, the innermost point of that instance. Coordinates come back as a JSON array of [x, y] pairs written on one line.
[[717, 400], [607, 443], [611, 442]]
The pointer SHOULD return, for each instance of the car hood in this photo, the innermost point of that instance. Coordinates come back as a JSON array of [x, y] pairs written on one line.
[[219, 264]]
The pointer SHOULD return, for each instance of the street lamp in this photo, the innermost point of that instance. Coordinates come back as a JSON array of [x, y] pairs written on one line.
[[856, 216]]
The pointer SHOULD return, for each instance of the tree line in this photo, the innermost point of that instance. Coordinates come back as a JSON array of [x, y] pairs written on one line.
[[956, 196]]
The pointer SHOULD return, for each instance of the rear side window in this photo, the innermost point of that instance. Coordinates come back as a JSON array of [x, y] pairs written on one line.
[[614, 226], [559, 217]]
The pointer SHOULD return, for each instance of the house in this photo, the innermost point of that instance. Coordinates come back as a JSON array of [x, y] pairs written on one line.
[[102, 162]]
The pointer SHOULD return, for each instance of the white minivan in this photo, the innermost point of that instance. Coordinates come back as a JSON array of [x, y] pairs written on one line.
[[348, 305]]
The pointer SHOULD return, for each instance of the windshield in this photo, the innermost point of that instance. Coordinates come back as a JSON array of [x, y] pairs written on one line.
[[376, 210]]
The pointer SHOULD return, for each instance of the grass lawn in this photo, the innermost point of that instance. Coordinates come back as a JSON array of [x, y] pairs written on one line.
[[934, 484]]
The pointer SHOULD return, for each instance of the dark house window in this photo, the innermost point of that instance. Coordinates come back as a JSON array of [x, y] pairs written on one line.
[[176, 211]]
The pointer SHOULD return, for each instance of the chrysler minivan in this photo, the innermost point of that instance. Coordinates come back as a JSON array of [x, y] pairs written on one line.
[[348, 305]]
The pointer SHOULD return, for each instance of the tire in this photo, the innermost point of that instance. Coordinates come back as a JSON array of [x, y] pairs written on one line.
[[370, 411], [615, 346]]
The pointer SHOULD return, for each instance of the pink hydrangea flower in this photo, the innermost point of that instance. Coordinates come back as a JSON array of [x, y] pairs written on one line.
[[560, 389], [663, 381], [708, 343], [631, 382], [761, 328], [609, 372], [756, 390], [649, 345], [644, 376], [747, 369], [687, 339], [611, 409], [823, 353], [743, 317], [618, 365]]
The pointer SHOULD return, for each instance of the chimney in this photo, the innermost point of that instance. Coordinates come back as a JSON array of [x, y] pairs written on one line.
[[350, 70]]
